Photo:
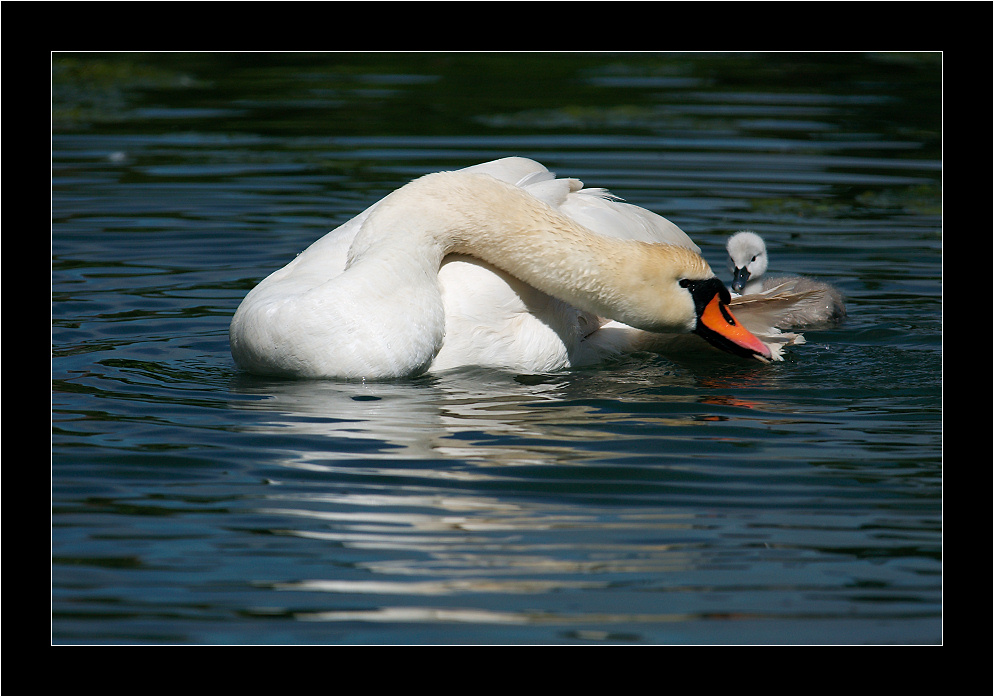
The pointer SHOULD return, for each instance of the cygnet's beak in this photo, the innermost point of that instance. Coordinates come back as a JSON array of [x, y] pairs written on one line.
[[739, 278], [718, 326]]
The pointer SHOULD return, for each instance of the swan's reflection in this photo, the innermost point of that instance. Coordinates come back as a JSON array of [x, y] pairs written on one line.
[[459, 484], [491, 548], [423, 419], [475, 415]]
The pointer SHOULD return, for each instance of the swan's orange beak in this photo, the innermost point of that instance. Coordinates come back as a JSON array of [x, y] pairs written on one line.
[[718, 325]]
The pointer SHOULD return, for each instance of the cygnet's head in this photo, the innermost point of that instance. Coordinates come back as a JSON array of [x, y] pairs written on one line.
[[746, 258]]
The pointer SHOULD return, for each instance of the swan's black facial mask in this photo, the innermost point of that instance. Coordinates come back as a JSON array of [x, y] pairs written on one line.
[[717, 325]]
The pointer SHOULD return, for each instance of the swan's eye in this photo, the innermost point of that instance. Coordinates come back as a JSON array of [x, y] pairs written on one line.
[[755, 257], [685, 283]]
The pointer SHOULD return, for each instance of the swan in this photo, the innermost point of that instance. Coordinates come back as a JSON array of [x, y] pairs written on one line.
[[786, 301], [498, 265]]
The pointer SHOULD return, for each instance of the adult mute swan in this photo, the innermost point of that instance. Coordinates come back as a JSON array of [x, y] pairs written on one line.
[[499, 265], [789, 302]]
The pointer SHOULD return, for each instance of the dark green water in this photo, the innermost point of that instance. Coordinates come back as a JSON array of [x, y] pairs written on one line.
[[643, 502]]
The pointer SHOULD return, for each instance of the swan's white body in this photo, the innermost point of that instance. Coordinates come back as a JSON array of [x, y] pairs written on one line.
[[499, 265], [787, 302]]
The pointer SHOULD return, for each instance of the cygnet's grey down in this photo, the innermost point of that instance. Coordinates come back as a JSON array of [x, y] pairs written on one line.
[[788, 302]]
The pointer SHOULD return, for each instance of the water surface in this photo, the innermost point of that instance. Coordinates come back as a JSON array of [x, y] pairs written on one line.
[[646, 501]]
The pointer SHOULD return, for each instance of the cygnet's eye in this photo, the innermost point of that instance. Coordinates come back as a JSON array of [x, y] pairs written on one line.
[[755, 257]]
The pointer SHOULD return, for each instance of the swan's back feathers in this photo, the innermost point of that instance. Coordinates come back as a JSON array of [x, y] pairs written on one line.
[[555, 192], [608, 215], [595, 208], [519, 171]]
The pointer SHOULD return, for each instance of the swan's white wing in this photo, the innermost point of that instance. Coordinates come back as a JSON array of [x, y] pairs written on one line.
[[493, 319], [513, 170], [610, 216], [326, 257], [594, 208]]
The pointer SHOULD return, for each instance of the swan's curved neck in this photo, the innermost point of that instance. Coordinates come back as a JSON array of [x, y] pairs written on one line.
[[478, 215]]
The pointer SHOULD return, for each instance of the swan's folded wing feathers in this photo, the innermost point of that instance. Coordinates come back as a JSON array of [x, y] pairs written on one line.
[[554, 191], [608, 215], [534, 178], [513, 170]]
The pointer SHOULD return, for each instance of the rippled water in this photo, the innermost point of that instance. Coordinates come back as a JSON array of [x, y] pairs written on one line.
[[647, 501]]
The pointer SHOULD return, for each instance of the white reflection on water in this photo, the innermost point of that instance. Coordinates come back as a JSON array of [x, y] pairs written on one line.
[[494, 548], [446, 587], [470, 487], [473, 616], [477, 416], [410, 420]]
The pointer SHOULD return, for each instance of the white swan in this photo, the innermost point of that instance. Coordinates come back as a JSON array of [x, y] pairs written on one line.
[[498, 265], [787, 302]]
